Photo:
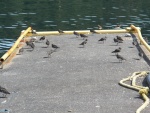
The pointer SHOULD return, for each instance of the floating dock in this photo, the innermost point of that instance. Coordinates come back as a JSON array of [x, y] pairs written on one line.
[[73, 78]]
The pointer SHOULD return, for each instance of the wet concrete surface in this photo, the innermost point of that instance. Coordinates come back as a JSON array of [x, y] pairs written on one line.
[[74, 79]]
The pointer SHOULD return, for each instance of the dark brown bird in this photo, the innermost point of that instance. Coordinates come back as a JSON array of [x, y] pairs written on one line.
[[42, 38], [47, 42], [102, 39], [134, 43], [31, 44], [60, 31], [119, 38], [83, 36], [93, 31], [4, 91], [120, 58], [76, 33], [140, 54], [116, 51], [55, 46], [84, 42], [117, 41]]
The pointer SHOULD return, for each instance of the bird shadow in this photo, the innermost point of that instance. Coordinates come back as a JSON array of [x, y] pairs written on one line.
[[80, 47], [44, 47], [100, 42], [144, 82], [116, 62], [73, 37], [136, 58], [18, 54], [113, 45], [29, 50], [2, 97], [46, 57], [112, 55], [130, 47], [138, 97]]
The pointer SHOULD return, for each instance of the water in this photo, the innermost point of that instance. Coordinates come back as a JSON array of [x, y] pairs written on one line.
[[52, 15]]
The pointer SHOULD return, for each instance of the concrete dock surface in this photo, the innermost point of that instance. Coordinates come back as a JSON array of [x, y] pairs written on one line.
[[74, 78]]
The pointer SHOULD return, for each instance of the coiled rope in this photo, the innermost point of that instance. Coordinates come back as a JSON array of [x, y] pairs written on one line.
[[143, 91]]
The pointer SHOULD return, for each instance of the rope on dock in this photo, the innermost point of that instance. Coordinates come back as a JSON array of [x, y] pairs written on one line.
[[143, 91]]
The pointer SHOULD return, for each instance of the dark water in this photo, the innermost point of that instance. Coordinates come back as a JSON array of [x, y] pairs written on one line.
[[42, 15]]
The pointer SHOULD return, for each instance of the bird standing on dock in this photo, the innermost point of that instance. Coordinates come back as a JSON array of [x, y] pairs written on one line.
[[84, 42], [93, 31], [120, 58], [134, 43], [117, 41], [21, 50], [102, 39], [83, 36], [42, 38], [116, 51], [60, 31], [55, 46], [33, 39], [33, 31], [47, 42], [119, 38], [4, 91], [31, 44], [76, 33], [140, 54]]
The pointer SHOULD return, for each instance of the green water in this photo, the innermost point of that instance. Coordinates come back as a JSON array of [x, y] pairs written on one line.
[[51, 15]]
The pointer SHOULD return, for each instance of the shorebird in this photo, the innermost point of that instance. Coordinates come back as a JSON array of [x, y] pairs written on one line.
[[60, 31], [42, 38], [33, 31], [76, 33], [55, 46], [83, 36], [119, 38], [134, 43], [93, 31], [102, 39], [47, 42], [116, 51], [21, 50], [33, 39], [127, 35], [117, 41], [140, 54], [31, 44], [84, 42], [4, 91], [99, 27], [120, 58]]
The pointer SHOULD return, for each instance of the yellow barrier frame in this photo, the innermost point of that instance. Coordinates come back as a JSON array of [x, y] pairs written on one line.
[[9, 52], [28, 32], [142, 41]]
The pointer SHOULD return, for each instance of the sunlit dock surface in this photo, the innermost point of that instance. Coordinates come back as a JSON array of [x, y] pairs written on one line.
[[74, 79]]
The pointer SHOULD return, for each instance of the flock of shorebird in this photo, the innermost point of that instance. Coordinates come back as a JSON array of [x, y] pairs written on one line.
[[116, 40]]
